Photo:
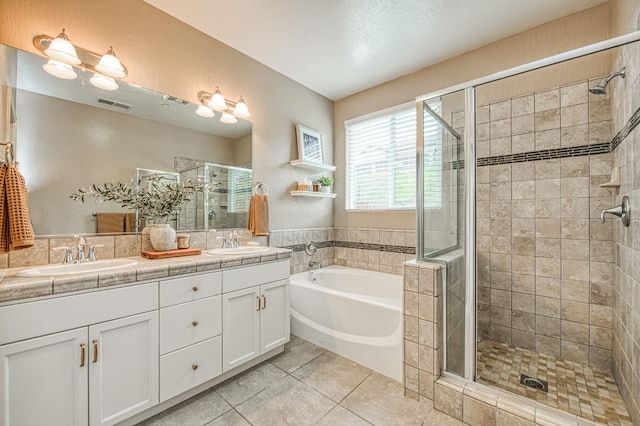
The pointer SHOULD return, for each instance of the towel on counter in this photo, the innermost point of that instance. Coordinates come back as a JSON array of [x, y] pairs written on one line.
[[109, 222], [258, 220], [15, 223]]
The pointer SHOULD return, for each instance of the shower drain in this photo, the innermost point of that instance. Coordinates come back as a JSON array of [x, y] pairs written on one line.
[[532, 382]]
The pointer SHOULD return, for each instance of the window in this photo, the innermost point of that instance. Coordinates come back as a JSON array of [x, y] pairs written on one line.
[[381, 160], [239, 184]]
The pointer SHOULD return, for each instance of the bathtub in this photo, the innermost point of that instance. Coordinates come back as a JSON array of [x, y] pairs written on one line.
[[352, 312]]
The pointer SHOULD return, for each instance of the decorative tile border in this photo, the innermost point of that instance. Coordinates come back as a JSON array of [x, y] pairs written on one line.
[[353, 245], [548, 154], [624, 132]]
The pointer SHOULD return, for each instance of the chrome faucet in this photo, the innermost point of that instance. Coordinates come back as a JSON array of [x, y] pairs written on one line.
[[622, 211], [81, 244], [232, 240]]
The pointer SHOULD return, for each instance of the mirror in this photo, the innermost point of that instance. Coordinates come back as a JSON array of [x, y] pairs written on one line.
[[71, 134]]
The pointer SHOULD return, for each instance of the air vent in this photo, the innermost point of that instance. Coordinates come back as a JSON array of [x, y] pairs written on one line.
[[113, 103], [174, 99], [534, 383]]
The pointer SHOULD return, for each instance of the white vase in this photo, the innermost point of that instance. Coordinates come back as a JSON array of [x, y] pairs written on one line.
[[163, 237], [325, 189], [147, 229]]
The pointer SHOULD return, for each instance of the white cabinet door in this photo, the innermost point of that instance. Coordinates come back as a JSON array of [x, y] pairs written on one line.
[[274, 315], [240, 327], [43, 381], [123, 368]]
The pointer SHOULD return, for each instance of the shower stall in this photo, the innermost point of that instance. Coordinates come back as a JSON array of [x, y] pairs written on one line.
[[539, 296]]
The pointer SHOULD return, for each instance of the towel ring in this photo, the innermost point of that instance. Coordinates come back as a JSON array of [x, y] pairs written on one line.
[[9, 153], [261, 188]]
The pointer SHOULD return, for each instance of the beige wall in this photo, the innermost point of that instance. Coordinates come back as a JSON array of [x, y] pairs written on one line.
[[622, 15], [574, 31], [168, 56]]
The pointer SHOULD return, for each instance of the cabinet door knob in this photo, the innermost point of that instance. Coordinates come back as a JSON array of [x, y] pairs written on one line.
[[195, 288], [194, 367], [194, 323], [82, 354], [95, 350]]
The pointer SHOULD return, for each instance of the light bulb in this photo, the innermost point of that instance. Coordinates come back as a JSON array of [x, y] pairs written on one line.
[[228, 118], [241, 110], [110, 65], [217, 101], [60, 70], [62, 50], [103, 82], [204, 111]]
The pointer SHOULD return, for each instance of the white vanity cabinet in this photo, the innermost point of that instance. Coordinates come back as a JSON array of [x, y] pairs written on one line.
[[255, 309], [99, 372], [190, 332]]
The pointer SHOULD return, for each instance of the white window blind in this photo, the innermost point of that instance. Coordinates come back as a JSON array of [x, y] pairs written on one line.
[[239, 184], [381, 161]]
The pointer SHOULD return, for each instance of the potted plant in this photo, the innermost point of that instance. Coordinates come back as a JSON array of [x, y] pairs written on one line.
[[155, 202], [325, 183]]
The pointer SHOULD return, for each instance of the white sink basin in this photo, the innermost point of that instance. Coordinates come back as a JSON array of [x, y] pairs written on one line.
[[239, 250], [76, 268]]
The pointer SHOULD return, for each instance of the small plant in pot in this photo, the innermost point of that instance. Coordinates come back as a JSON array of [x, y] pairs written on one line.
[[325, 183]]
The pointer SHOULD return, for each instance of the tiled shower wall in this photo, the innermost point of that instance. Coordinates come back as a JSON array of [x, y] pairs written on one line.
[[625, 104], [544, 259]]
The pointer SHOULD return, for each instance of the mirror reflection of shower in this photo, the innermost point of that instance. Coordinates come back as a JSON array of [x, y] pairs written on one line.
[[601, 88]]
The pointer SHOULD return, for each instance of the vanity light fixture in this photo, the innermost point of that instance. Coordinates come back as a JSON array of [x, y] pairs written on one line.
[[63, 54], [230, 110]]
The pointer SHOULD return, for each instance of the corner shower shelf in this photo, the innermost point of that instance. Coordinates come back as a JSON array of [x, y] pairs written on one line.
[[313, 166], [312, 194]]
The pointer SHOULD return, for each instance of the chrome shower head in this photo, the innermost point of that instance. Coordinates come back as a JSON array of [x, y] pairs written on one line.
[[601, 88]]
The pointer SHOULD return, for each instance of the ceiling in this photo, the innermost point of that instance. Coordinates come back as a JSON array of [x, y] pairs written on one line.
[[340, 47]]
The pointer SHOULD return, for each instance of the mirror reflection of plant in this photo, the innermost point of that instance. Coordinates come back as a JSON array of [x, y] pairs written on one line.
[[155, 202]]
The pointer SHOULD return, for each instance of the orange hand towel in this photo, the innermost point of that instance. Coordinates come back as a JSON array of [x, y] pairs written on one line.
[[4, 213], [258, 220], [17, 202]]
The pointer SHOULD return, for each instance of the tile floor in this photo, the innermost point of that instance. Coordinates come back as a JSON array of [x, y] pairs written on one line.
[[573, 387], [305, 385]]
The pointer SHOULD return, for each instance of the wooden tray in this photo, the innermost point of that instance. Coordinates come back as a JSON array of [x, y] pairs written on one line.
[[152, 254]]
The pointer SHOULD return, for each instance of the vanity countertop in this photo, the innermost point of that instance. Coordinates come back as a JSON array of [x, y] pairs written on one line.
[[16, 288]]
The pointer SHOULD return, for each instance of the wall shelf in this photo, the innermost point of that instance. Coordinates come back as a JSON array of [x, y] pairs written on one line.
[[312, 194], [311, 165]]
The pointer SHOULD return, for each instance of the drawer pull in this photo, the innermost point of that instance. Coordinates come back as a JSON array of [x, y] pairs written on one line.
[[194, 367], [194, 323], [95, 350], [258, 298], [195, 288], [264, 302], [83, 350]]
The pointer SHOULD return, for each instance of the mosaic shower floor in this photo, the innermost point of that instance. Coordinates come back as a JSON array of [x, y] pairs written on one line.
[[573, 387]]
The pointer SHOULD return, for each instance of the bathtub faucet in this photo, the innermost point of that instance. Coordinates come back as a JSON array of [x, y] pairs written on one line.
[[315, 265]]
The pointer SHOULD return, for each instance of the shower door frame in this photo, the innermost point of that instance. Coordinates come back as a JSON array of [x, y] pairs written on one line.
[[470, 176]]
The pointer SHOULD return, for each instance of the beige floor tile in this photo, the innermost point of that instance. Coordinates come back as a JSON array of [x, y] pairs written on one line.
[[288, 402], [242, 387], [332, 375], [438, 418], [230, 418], [296, 353], [340, 416], [195, 411], [381, 401]]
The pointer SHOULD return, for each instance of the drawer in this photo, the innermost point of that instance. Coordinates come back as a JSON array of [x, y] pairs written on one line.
[[177, 328], [189, 367], [187, 289], [249, 276]]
